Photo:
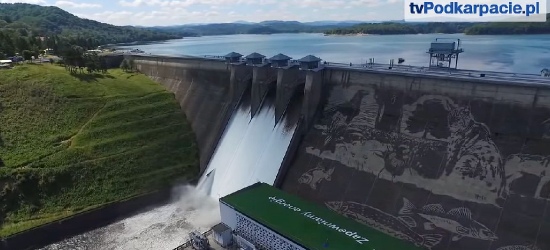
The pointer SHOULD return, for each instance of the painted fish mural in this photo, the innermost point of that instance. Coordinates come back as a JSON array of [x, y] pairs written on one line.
[[458, 146], [315, 176], [387, 223], [458, 221], [519, 247]]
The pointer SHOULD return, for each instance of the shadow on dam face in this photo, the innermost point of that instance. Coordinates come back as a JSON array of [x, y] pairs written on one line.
[[293, 111], [464, 163]]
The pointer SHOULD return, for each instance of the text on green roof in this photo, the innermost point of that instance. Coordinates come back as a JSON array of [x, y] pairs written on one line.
[[359, 239]]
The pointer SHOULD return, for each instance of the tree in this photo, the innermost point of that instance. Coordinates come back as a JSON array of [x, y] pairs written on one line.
[[22, 44], [7, 19], [103, 64], [27, 55], [125, 65], [73, 58], [131, 64], [23, 32], [95, 63]]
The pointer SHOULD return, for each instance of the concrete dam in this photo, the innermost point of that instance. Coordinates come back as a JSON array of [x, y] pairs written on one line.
[[463, 159]]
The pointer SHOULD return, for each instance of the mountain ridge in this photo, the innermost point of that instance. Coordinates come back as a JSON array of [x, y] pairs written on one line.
[[50, 21], [263, 27], [266, 22]]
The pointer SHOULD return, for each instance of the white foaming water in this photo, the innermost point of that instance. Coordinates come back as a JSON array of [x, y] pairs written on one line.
[[249, 151], [163, 228], [252, 154]]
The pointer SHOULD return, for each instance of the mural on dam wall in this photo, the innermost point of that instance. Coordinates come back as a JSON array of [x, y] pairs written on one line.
[[439, 172]]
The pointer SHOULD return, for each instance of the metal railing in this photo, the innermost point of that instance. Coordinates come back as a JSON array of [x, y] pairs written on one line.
[[214, 57], [459, 73], [436, 71], [188, 242]]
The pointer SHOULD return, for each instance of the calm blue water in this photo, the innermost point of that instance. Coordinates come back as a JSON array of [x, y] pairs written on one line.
[[520, 53]]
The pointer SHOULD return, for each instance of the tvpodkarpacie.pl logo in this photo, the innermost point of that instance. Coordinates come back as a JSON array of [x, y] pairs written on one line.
[[475, 11]]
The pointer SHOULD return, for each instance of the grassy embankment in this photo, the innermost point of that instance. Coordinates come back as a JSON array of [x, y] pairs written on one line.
[[69, 143]]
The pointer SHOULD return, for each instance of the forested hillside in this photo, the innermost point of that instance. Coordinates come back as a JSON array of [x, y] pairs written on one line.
[[401, 28], [34, 27], [391, 28], [510, 28], [266, 27]]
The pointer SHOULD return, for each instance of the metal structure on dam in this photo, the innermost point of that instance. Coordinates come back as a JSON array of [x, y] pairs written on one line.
[[464, 154]]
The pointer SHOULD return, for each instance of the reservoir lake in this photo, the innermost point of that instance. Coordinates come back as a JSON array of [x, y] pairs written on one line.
[[506, 53]]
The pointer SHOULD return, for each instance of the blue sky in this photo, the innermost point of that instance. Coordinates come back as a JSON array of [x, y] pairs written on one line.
[[173, 12]]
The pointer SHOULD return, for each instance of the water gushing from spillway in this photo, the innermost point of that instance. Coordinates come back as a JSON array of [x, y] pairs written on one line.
[[250, 150], [163, 228]]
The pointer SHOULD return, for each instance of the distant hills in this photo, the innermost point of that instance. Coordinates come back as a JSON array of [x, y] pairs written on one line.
[[62, 28], [356, 27], [327, 27], [493, 28], [265, 27], [48, 21]]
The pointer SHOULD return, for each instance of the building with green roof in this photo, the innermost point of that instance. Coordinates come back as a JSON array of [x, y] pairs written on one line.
[[264, 217]]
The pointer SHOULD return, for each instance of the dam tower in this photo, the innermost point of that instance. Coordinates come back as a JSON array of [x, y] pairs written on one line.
[[444, 53], [233, 57], [280, 60]]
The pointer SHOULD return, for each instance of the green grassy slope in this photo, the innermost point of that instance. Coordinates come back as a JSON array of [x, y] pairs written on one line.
[[68, 144]]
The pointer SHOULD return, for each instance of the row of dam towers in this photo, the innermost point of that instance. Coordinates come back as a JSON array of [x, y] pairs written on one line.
[[209, 90], [444, 162]]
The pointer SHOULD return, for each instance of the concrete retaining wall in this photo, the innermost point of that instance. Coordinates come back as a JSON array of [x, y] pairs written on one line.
[[440, 162]]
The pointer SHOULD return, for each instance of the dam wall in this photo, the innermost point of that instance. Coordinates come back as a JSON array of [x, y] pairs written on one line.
[[457, 163], [288, 80], [208, 91], [264, 79], [442, 162], [202, 88]]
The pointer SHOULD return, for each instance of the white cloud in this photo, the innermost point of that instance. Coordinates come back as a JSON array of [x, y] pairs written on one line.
[[174, 12], [180, 15], [70, 4], [187, 3], [41, 2], [337, 4]]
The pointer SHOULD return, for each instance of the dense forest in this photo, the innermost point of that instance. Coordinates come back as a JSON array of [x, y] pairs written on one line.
[[266, 27], [33, 28], [510, 28], [400, 28], [391, 28], [385, 28]]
